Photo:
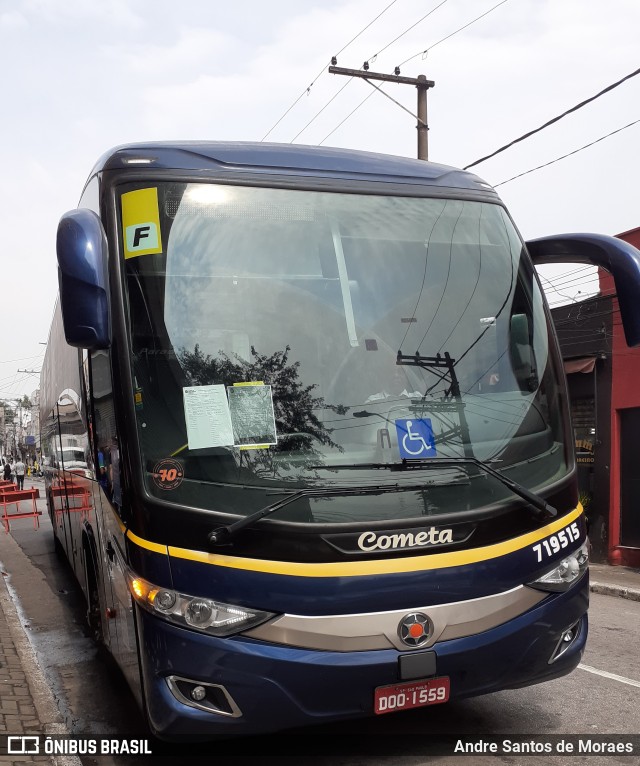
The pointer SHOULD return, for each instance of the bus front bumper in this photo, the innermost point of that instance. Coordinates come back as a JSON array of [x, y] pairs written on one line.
[[259, 687]]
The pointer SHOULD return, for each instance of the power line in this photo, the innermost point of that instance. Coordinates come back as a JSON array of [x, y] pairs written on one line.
[[568, 275], [564, 156], [571, 283], [573, 271], [557, 291], [402, 34], [555, 119], [21, 359], [578, 298], [468, 24], [553, 289], [601, 310], [574, 282], [397, 69], [340, 124], [308, 88], [371, 59], [564, 321], [315, 117]]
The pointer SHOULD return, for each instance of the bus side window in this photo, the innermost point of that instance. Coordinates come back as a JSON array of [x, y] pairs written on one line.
[[108, 462]]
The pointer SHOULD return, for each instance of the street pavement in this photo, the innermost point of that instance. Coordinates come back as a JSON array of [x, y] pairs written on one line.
[[27, 705]]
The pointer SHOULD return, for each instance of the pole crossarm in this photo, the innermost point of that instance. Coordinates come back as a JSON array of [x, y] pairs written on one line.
[[422, 85], [367, 75]]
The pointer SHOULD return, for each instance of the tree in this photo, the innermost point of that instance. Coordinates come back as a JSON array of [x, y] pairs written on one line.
[[294, 404]]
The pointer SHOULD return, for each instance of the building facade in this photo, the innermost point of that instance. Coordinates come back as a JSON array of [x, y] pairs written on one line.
[[585, 334], [624, 490], [603, 374]]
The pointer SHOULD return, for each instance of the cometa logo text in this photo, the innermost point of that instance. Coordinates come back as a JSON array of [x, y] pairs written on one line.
[[370, 541]]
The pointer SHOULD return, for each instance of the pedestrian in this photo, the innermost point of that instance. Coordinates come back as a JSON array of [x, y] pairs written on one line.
[[20, 469], [7, 471], [13, 470]]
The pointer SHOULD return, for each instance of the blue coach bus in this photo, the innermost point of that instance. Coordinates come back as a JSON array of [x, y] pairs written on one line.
[[323, 463]]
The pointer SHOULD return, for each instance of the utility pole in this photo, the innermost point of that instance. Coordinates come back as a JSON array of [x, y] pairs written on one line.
[[420, 82]]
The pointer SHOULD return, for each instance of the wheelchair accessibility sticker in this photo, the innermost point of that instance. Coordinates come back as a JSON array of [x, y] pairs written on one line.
[[415, 438]]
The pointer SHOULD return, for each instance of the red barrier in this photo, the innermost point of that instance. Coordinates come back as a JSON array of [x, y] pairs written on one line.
[[16, 496], [72, 492]]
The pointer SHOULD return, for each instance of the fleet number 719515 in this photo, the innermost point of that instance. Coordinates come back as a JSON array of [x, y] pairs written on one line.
[[555, 543]]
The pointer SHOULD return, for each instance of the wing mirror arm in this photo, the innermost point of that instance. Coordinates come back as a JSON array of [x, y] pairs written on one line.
[[614, 255]]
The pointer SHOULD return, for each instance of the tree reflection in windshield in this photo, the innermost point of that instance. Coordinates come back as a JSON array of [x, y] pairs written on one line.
[[298, 427]]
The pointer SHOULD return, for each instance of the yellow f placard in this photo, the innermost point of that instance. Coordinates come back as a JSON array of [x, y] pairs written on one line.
[[141, 223]]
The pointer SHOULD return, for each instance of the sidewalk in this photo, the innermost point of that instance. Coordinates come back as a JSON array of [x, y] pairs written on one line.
[[615, 581], [27, 705]]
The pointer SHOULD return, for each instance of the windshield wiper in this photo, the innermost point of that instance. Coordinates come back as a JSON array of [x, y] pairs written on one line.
[[222, 535], [540, 508]]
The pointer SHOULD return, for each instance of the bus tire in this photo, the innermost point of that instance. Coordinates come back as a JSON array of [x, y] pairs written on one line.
[[93, 615], [58, 547]]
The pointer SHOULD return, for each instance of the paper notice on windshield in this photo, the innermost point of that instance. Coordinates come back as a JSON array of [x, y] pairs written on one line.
[[252, 415], [208, 418]]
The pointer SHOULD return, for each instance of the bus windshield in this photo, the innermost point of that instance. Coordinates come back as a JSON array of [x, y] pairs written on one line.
[[285, 339]]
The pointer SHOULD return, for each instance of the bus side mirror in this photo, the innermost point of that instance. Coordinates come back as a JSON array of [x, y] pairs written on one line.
[[618, 257], [82, 276]]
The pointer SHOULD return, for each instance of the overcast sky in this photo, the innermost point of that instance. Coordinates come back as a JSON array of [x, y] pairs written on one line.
[[80, 77]]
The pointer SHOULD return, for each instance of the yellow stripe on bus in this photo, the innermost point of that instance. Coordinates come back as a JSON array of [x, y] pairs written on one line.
[[139, 541], [362, 568]]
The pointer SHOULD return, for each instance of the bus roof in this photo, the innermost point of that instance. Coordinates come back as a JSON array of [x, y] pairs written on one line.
[[288, 159]]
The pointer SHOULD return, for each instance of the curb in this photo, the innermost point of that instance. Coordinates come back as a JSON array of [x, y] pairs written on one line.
[[615, 590]]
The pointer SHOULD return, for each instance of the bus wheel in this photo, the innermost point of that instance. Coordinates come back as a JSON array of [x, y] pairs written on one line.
[[58, 548], [94, 621]]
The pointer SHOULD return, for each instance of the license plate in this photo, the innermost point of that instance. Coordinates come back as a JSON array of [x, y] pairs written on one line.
[[433, 691]]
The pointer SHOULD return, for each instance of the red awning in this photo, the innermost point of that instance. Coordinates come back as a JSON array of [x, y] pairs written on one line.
[[586, 364]]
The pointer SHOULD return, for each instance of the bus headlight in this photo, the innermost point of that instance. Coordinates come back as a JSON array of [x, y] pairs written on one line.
[[203, 614], [564, 574]]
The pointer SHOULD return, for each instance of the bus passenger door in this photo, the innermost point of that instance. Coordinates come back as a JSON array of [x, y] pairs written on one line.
[[114, 552], [120, 614]]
